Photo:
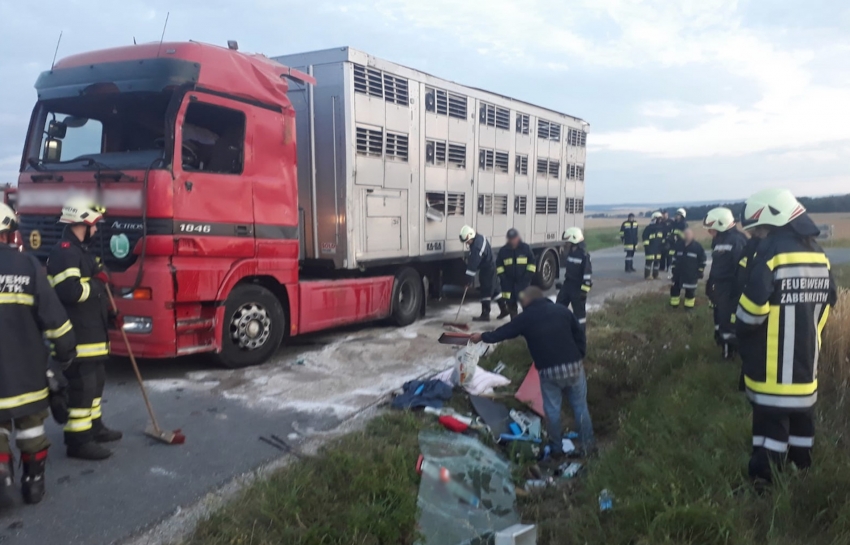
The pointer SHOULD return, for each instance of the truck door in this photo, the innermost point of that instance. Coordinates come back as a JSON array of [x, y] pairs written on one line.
[[213, 194]]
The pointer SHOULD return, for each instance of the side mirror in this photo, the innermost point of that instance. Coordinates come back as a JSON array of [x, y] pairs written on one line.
[[56, 129], [52, 150]]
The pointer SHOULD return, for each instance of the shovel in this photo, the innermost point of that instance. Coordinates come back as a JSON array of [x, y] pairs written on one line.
[[456, 324], [172, 438]]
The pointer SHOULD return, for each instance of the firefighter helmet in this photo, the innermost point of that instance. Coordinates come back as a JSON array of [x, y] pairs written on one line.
[[775, 207], [682, 212], [720, 219], [467, 233], [8, 219], [81, 211], [656, 215], [573, 235]]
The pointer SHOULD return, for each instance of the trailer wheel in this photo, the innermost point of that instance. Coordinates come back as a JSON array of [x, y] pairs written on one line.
[[407, 297], [547, 271], [254, 323]]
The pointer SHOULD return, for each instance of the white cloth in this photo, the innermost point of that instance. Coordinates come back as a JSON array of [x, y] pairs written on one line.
[[482, 382]]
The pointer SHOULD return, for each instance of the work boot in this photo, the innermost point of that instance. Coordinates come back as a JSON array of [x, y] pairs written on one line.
[[32, 482], [503, 308], [102, 434], [7, 499], [89, 451], [485, 313]]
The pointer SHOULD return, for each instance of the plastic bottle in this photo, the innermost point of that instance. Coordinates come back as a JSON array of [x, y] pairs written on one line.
[[606, 500]]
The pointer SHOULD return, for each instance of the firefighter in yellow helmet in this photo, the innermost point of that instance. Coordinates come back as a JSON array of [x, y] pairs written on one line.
[[779, 321], [80, 281], [481, 261], [29, 312], [578, 275], [727, 247]]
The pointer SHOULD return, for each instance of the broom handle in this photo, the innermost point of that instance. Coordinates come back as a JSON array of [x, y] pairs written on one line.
[[462, 299], [133, 362]]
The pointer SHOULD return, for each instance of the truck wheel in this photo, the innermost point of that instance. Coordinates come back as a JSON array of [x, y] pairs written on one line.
[[253, 326], [407, 297], [547, 271]]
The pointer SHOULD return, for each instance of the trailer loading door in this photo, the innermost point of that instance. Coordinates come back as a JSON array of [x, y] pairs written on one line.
[[386, 230]]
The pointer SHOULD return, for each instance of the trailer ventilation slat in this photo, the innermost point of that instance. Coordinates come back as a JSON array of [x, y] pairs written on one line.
[[503, 118], [436, 101], [485, 159], [485, 205], [435, 152], [521, 205], [457, 106], [571, 172], [500, 205], [457, 155], [555, 132], [395, 90], [548, 130], [542, 166], [554, 169], [370, 142], [576, 138], [360, 85], [502, 161], [456, 204], [522, 123], [540, 205], [580, 172], [552, 205], [521, 165], [487, 114], [397, 146], [575, 206]]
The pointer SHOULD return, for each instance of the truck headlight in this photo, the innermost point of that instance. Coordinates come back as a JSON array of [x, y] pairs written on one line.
[[137, 324]]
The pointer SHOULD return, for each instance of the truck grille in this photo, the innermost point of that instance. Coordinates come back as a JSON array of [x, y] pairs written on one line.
[[50, 232]]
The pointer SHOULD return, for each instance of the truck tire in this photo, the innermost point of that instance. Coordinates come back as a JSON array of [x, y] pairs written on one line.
[[547, 271], [407, 297], [254, 323]]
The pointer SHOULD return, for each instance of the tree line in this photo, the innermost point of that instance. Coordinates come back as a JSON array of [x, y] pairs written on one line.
[[814, 205]]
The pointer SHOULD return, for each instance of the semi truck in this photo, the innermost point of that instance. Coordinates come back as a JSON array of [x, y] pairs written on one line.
[[252, 199]]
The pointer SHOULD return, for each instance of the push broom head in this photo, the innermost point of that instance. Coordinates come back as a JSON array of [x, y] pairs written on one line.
[[175, 437]]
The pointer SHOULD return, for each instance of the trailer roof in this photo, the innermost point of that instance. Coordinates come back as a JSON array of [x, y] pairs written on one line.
[[350, 54]]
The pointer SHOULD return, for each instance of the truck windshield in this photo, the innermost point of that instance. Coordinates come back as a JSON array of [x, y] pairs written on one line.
[[111, 130]]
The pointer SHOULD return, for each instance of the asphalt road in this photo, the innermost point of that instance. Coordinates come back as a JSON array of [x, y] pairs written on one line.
[[311, 386]]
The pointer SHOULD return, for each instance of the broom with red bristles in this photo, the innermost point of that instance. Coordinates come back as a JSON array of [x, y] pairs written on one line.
[[175, 437]]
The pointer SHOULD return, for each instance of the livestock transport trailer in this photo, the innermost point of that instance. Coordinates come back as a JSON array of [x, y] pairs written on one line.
[[248, 202], [394, 161]]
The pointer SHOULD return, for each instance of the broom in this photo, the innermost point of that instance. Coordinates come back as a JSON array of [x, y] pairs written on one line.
[[172, 438]]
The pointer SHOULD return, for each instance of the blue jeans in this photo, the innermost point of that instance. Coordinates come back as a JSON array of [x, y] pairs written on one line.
[[575, 389]]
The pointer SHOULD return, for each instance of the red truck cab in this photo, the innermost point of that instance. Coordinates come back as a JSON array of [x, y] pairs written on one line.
[[192, 150]]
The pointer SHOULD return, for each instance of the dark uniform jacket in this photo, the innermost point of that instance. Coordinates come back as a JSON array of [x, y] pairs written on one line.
[[726, 251], [29, 312], [676, 235], [690, 264], [578, 271], [70, 269], [480, 256], [515, 267], [652, 240], [666, 229], [781, 316], [629, 235], [552, 332], [742, 272]]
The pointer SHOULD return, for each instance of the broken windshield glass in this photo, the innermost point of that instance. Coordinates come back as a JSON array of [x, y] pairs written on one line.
[[466, 493]]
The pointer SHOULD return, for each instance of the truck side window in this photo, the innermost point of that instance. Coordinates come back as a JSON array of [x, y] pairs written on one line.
[[213, 139]]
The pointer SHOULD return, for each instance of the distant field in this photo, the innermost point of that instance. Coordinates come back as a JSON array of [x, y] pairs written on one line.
[[604, 232]]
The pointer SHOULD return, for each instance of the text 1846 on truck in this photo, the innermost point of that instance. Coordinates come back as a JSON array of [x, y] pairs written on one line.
[[246, 202]]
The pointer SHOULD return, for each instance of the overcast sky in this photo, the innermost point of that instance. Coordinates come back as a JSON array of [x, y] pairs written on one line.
[[687, 99]]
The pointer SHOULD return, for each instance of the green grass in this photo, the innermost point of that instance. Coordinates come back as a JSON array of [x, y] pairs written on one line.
[[842, 274], [675, 434], [598, 238]]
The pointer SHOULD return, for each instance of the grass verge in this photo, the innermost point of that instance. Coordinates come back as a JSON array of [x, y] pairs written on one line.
[[676, 441], [598, 238]]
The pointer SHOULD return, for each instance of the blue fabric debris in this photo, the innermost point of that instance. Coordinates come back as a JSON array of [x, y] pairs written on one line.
[[418, 393]]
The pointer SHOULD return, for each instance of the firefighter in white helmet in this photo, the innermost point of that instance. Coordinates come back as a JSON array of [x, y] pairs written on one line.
[[779, 322], [29, 312], [727, 246], [481, 261], [80, 281], [676, 234], [578, 275], [653, 240]]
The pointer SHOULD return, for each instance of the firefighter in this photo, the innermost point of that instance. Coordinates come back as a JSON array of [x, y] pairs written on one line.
[[687, 269], [29, 312], [480, 261], [578, 275], [81, 282], [629, 238], [727, 247], [666, 229], [515, 266], [652, 239], [675, 235], [780, 318]]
